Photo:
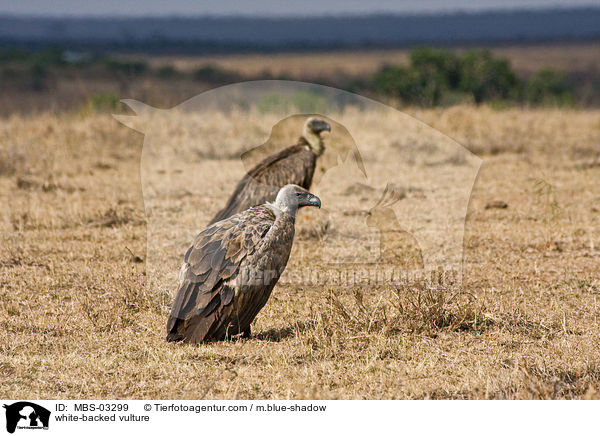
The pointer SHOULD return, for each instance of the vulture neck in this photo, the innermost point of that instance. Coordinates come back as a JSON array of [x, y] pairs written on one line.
[[282, 208], [282, 212], [314, 141]]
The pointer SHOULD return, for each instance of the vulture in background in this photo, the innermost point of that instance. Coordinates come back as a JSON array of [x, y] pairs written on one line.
[[231, 268], [293, 165]]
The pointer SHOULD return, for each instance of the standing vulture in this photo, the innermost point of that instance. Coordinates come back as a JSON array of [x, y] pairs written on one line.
[[232, 266], [293, 165]]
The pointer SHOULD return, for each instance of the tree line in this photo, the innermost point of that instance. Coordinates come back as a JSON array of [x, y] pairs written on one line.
[[432, 77]]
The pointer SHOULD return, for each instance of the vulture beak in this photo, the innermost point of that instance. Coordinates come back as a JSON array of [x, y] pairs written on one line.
[[315, 201], [319, 125], [310, 200]]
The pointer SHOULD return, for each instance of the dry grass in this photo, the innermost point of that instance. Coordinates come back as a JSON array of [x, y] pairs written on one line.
[[78, 321]]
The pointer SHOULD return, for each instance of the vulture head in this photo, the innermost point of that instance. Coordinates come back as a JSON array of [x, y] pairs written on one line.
[[292, 197], [312, 133]]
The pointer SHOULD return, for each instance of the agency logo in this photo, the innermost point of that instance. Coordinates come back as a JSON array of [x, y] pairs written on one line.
[[26, 415]]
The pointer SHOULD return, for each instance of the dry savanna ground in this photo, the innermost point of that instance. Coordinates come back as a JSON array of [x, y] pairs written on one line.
[[79, 321]]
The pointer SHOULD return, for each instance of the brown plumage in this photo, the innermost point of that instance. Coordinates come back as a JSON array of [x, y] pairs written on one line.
[[231, 268], [293, 165]]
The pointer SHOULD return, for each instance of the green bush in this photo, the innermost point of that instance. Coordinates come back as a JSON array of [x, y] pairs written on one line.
[[407, 84], [39, 77], [440, 66], [302, 101], [9, 55], [215, 75], [431, 74], [10, 73], [133, 67], [167, 72], [488, 78], [549, 86], [103, 102], [439, 77], [42, 59], [49, 58]]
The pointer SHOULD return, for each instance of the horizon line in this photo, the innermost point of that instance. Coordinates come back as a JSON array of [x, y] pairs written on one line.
[[286, 16]]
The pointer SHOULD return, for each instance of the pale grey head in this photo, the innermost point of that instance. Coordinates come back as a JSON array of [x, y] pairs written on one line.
[[291, 198]]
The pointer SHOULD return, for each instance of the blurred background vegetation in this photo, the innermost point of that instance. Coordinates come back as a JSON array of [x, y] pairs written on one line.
[[439, 77], [62, 79]]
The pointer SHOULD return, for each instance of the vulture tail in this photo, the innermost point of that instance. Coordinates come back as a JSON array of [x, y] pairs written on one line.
[[172, 330], [174, 337]]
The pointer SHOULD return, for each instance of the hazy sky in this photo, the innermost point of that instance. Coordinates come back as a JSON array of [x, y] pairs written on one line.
[[267, 7]]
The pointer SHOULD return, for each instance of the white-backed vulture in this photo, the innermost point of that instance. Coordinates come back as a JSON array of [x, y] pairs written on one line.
[[293, 165], [231, 268]]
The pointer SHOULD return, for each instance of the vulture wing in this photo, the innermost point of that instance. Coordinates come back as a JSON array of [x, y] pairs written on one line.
[[207, 278], [295, 164]]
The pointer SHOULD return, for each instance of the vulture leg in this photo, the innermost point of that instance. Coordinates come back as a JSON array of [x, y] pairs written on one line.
[[246, 333]]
